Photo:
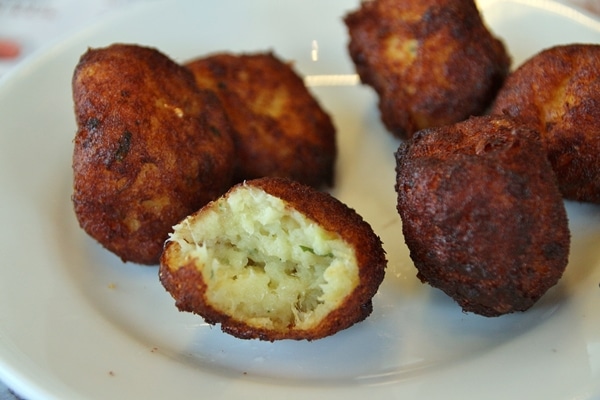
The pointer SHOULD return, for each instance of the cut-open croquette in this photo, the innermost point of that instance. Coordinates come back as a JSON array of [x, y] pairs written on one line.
[[481, 213], [150, 148], [557, 91], [274, 259], [280, 129], [431, 62]]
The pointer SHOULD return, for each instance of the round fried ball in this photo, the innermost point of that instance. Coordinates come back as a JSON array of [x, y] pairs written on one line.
[[482, 215], [431, 62], [150, 148], [274, 259], [280, 128], [557, 91]]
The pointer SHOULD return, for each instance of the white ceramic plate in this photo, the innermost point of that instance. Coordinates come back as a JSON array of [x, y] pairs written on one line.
[[75, 322]]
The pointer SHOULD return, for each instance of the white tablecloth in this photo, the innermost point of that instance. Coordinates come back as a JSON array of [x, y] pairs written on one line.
[[28, 25]]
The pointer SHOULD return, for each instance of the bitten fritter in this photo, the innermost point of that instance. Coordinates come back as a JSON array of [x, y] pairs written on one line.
[[431, 62], [557, 91], [274, 259], [150, 148], [280, 128], [481, 213]]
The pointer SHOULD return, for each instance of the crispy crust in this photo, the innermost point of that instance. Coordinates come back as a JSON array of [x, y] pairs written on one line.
[[482, 215], [182, 279], [280, 128], [431, 62], [150, 148], [557, 92]]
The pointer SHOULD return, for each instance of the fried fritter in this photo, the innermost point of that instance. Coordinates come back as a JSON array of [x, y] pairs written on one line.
[[150, 148], [274, 259], [280, 128], [431, 62], [557, 91], [481, 213]]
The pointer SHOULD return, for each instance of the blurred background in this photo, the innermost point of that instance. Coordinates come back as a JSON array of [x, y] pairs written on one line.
[[28, 25]]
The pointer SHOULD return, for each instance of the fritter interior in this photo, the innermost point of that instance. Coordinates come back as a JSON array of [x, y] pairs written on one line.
[[274, 259], [267, 264]]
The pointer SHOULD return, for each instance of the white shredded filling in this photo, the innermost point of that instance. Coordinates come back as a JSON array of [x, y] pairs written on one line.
[[267, 264]]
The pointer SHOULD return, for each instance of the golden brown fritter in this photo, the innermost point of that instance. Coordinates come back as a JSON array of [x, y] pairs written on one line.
[[274, 259], [557, 91], [431, 62], [150, 148], [481, 213], [280, 128]]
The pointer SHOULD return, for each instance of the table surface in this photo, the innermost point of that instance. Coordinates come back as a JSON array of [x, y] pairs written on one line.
[[27, 26]]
